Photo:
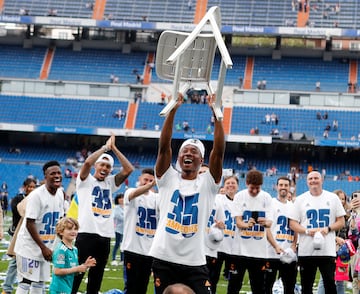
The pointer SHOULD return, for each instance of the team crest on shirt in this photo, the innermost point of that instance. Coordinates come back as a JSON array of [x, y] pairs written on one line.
[[60, 259], [157, 282], [128, 265]]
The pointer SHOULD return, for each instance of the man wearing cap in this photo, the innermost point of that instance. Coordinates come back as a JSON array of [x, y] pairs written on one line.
[[283, 241], [94, 193], [185, 203], [317, 210]]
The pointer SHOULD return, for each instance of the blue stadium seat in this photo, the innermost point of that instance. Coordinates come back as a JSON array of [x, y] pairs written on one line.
[[91, 65], [301, 74], [75, 113], [17, 62]]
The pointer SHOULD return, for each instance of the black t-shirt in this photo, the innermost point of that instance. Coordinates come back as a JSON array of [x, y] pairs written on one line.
[[15, 213]]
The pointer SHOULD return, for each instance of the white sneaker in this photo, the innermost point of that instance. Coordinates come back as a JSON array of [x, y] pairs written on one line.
[[114, 263]]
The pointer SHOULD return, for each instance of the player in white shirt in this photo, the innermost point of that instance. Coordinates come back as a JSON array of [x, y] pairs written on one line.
[[283, 238], [94, 194], [185, 203], [317, 210], [216, 219], [224, 254], [140, 221], [34, 243], [253, 211]]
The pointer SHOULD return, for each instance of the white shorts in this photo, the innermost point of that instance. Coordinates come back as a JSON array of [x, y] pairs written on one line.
[[33, 270]]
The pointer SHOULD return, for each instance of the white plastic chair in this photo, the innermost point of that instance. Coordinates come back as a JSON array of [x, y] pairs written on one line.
[[189, 57]]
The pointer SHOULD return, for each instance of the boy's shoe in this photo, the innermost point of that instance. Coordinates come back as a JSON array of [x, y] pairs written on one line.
[[114, 263]]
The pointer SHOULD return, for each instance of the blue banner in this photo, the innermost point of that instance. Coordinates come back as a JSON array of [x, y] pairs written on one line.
[[185, 27], [338, 143], [203, 137], [65, 130]]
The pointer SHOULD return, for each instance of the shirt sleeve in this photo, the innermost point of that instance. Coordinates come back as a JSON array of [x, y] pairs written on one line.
[[59, 258]]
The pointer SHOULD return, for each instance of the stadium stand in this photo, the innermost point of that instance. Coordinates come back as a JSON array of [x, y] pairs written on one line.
[[16, 62], [92, 65], [31, 158], [301, 74], [75, 113], [141, 10], [197, 115], [334, 13], [294, 120], [89, 113], [95, 65], [150, 10], [255, 13], [327, 13], [67, 8]]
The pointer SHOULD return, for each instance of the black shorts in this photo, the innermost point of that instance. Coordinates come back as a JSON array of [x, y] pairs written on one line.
[[167, 273]]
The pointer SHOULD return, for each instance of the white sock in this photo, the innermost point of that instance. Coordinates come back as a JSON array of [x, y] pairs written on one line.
[[22, 288], [37, 288]]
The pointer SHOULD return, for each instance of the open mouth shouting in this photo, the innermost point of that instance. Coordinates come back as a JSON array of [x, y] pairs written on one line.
[[188, 161]]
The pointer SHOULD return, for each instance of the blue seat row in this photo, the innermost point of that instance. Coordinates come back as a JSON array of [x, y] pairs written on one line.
[[95, 65]]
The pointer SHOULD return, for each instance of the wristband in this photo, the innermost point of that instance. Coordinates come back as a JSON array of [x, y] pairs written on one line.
[[306, 232], [329, 229], [104, 148]]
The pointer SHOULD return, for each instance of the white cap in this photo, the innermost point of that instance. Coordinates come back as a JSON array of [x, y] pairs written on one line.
[[214, 237], [288, 256], [318, 241], [106, 158], [194, 142]]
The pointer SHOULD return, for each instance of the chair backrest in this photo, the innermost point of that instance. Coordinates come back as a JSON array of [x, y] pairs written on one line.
[[197, 59]]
